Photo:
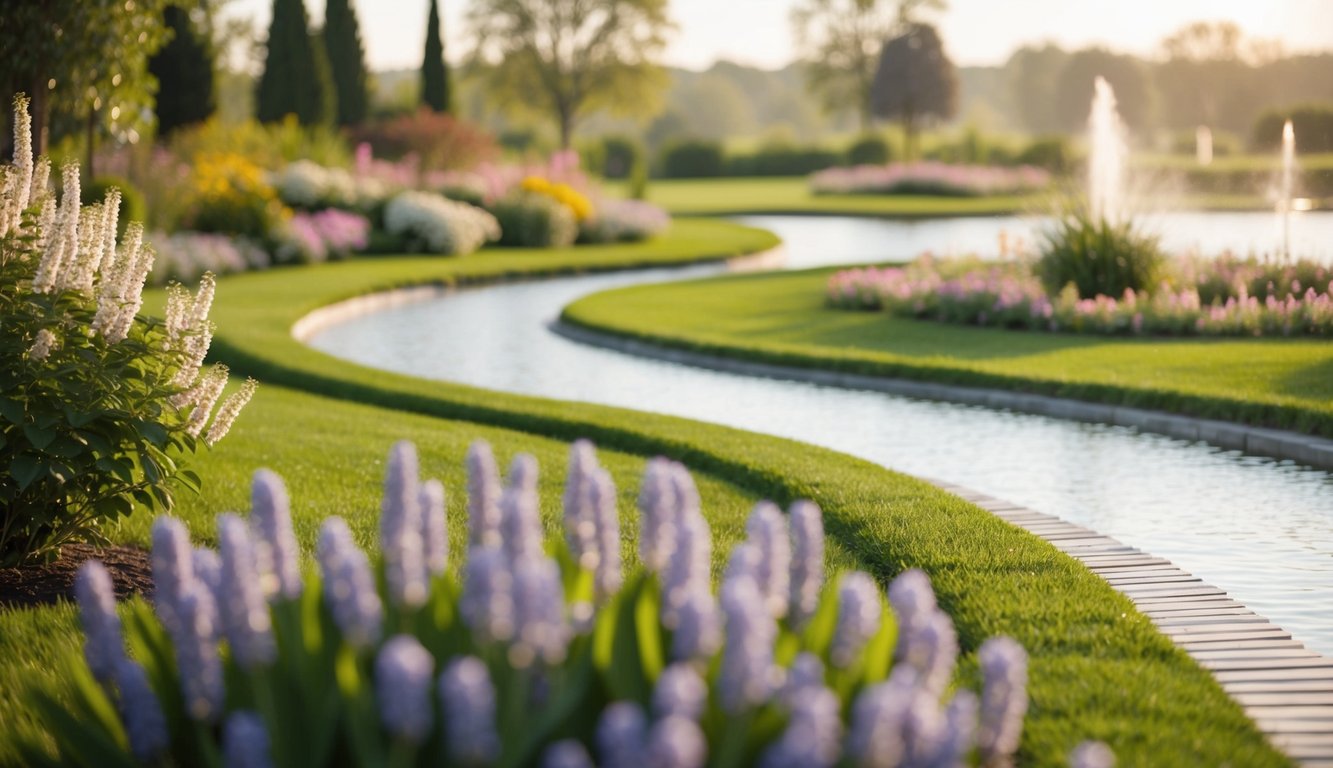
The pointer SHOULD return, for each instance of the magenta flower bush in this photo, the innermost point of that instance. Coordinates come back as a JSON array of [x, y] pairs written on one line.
[[929, 178], [310, 238], [1008, 297], [513, 647]]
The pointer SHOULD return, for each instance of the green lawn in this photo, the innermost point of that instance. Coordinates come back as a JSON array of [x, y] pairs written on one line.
[[791, 195], [782, 318], [1099, 669]]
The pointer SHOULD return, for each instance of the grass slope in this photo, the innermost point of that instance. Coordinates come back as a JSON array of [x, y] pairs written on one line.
[[1099, 669], [791, 195], [781, 318]]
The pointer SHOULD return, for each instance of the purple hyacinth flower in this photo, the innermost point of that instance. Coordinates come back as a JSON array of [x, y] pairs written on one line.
[[608, 577], [698, 632], [403, 674], [542, 632], [520, 517], [198, 664], [621, 735], [487, 604], [1004, 698], [680, 691], [580, 516], [688, 572], [208, 569], [349, 586], [467, 698], [245, 614], [103, 647], [960, 719], [139, 708], [245, 742], [483, 495], [877, 733], [859, 612], [807, 564], [568, 753], [746, 677], [434, 527], [813, 736], [276, 553], [767, 530], [400, 529], [913, 602], [173, 568], [657, 505], [1092, 754], [676, 742], [806, 673]]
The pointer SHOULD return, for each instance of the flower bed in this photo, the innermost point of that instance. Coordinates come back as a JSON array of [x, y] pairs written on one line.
[[1008, 296], [530, 655], [929, 178]]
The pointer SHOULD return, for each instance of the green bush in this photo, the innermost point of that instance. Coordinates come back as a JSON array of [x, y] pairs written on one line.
[[1098, 257], [1051, 153], [132, 206], [620, 156], [783, 161], [692, 160], [869, 150], [1312, 124], [529, 220]]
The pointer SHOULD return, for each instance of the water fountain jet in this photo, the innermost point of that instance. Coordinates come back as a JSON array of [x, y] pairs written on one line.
[[1108, 155], [1287, 186]]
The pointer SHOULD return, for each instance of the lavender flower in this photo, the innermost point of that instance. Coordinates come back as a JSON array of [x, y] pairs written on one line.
[[349, 587], [488, 603], [913, 602], [468, 701], [879, 720], [197, 660], [1092, 754], [580, 516], [676, 742], [743, 564], [858, 618], [657, 503], [1004, 698], [608, 577], [807, 565], [103, 647], [520, 520], [933, 649], [276, 553], [746, 677], [172, 567], [434, 526], [767, 530], [145, 725], [621, 735], [403, 672], [568, 753], [542, 632], [688, 570], [208, 569], [813, 735], [806, 674], [960, 719], [400, 531], [680, 691], [924, 729], [483, 495], [245, 614], [698, 630], [245, 742]]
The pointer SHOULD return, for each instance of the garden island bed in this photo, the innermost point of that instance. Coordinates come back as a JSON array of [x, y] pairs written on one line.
[[782, 319], [1098, 668]]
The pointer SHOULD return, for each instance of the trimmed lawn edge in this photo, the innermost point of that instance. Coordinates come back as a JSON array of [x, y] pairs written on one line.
[[1099, 669]]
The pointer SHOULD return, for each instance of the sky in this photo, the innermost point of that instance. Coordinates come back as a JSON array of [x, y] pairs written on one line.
[[976, 32]]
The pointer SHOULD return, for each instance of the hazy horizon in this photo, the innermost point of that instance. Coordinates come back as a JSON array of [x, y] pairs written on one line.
[[976, 32]]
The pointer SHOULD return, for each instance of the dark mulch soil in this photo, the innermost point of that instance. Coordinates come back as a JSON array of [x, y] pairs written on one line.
[[46, 583]]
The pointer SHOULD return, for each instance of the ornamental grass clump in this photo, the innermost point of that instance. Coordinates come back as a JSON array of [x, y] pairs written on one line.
[[1098, 256], [515, 647], [97, 402]]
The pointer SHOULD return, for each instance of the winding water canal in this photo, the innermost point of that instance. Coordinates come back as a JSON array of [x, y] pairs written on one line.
[[1259, 528]]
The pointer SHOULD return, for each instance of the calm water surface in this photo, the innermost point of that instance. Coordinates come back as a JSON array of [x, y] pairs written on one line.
[[1258, 528]]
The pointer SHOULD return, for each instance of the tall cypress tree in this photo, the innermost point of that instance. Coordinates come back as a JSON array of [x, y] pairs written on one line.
[[184, 71], [347, 61], [296, 74], [435, 91]]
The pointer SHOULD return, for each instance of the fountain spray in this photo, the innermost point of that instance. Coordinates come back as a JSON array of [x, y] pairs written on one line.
[[1108, 155], [1284, 201]]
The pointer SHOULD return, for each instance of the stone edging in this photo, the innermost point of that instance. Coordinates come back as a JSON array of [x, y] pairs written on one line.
[[1281, 444]]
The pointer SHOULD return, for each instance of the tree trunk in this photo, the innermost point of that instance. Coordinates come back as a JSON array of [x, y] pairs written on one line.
[[909, 135], [566, 128]]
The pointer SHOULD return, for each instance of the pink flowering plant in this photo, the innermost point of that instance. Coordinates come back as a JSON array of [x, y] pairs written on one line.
[[512, 649], [97, 402], [929, 178]]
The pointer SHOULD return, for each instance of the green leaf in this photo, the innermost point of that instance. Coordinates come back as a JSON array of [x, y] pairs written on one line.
[[878, 654], [26, 469], [39, 437], [12, 410]]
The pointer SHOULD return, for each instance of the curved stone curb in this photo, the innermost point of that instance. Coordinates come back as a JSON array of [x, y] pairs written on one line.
[[1285, 688], [1281, 444]]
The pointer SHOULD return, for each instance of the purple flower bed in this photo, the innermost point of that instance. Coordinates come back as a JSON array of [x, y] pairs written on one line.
[[185, 256], [1007, 296], [310, 238], [929, 178]]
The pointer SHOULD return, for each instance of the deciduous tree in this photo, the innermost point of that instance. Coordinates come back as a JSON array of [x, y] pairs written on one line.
[[915, 81]]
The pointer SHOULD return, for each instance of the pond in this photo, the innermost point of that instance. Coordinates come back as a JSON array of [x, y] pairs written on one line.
[[1259, 528]]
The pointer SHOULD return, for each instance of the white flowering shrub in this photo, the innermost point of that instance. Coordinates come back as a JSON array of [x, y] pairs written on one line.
[[97, 402], [530, 654], [309, 185], [435, 224]]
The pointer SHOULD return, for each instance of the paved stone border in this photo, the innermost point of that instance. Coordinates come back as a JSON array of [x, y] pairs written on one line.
[[1281, 444], [1283, 686]]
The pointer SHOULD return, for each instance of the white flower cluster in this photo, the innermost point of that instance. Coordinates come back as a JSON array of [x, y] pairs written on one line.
[[306, 184], [439, 224]]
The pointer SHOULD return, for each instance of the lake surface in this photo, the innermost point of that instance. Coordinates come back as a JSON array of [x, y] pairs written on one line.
[[1259, 528]]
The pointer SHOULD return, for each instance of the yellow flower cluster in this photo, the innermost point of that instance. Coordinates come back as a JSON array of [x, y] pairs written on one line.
[[571, 198], [222, 175], [231, 194]]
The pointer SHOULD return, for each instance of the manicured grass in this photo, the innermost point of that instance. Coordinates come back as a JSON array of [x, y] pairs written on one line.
[[1099, 669], [791, 195], [781, 318]]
